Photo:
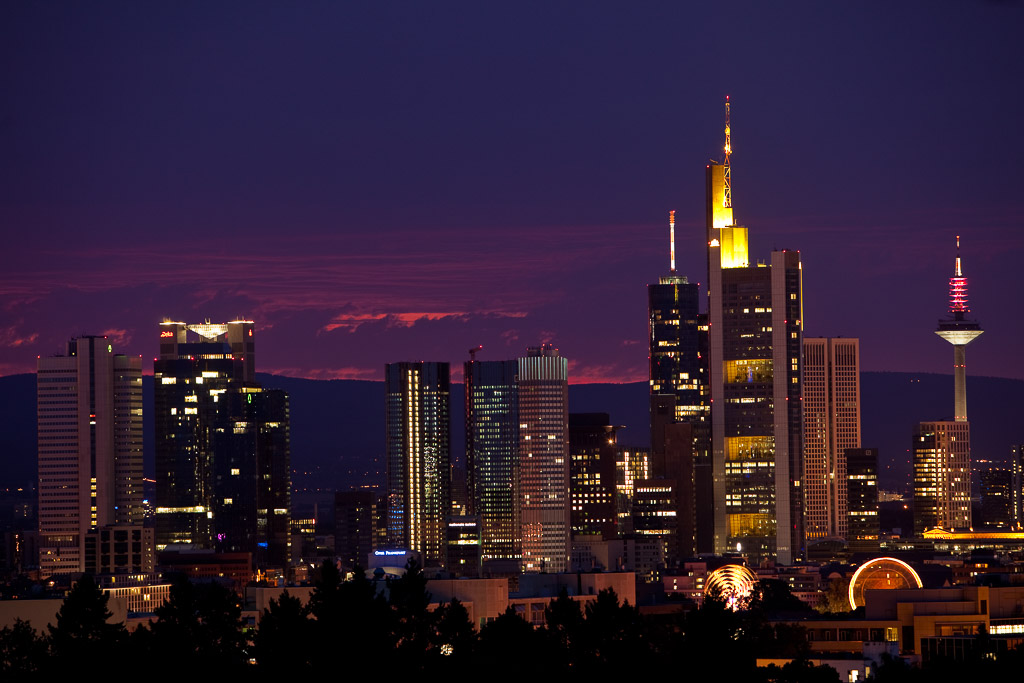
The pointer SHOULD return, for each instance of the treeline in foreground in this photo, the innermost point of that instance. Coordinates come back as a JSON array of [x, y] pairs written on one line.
[[349, 628]]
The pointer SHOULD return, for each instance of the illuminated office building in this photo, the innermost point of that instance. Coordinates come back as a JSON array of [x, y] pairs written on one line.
[[755, 368], [492, 455], [997, 498], [678, 338], [418, 458], [252, 478], [543, 381], [592, 453], [862, 499], [831, 391], [223, 460], [942, 476], [631, 465], [89, 421], [356, 516], [196, 366]]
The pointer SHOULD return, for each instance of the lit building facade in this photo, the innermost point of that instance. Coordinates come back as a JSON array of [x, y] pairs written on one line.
[[678, 338], [223, 445], [862, 499], [196, 366], [632, 464], [252, 475], [997, 498], [492, 455], [592, 452], [755, 370], [942, 476], [543, 382], [89, 430], [355, 526], [418, 457], [831, 392]]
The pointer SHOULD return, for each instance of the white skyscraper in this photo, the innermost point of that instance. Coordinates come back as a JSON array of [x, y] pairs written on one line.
[[89, 413]]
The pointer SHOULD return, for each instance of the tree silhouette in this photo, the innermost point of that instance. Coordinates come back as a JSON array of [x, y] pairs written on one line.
[[82, 637], [281, 644], [22, 651], [200, 627]]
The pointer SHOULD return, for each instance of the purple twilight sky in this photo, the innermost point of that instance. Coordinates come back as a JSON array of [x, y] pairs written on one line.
[[374, 182]]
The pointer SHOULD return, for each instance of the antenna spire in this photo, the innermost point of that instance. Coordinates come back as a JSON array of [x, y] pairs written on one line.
[[958, 287], [672, 240], [727, 197]]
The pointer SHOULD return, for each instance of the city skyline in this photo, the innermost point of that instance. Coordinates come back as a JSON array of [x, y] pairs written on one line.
[[454, 191]]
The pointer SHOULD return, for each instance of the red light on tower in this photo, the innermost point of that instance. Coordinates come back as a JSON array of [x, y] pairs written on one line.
[[958, 295]]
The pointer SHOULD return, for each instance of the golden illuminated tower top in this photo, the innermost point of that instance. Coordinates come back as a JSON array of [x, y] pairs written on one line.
[[723, 233], [727, 196], [672, 240]]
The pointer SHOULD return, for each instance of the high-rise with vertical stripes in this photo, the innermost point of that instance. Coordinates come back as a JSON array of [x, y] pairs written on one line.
[[418, 457], [89, 415], [544, 460], [831, 385]]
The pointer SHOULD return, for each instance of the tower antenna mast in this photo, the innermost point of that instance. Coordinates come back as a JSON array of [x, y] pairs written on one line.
[[727, 196], [672, 240]]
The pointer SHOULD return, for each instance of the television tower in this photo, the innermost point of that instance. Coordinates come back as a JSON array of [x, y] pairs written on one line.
[[959, 331]]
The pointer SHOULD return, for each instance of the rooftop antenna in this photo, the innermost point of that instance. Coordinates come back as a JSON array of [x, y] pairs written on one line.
[[672, 239], [727, 196]]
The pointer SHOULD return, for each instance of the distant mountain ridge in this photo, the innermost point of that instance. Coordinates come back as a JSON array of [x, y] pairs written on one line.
[[338, 425]]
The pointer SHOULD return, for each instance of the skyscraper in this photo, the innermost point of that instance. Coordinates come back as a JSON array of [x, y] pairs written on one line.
[[418, 457], [492, 455], [678, 337], [942, 476], [862, 499], [831, 391], [544, 459], [223, 459], [252, 477], [198, 363], [592, 453], [89, 413], [997, 498], [755, 366]]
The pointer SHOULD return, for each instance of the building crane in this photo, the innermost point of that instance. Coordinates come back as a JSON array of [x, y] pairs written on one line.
[[472, 352]]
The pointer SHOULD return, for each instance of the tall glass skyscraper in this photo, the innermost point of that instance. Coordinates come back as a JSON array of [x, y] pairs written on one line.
[[492, 455], [418, 457], [223, 459]]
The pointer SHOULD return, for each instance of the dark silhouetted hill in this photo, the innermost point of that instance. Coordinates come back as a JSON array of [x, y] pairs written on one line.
[[338, 425]]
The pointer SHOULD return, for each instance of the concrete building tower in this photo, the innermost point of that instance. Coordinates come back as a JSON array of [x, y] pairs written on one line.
[[755, 367], [831, 386], [959, 331], [89, 416], [544, 460], [942, 450]]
